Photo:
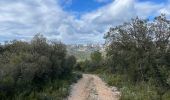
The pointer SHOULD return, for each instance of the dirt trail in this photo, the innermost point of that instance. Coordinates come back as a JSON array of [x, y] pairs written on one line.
[[91, 87]]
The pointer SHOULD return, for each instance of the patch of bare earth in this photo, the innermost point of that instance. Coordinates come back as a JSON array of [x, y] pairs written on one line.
[[91, 87]]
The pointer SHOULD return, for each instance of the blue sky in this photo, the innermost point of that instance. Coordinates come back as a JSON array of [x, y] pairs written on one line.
[[72, 21], [83, 6]]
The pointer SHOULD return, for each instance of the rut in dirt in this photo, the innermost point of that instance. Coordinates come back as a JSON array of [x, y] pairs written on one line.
[[91, 87]]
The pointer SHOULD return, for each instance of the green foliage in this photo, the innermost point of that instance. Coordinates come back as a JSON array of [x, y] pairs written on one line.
[[137, 59], [96, 56], [52, 90], [69, 63], [25, 67], [166, 96], [91, 65], [131, 91], [141, 91], [140, 50], [112, 80]]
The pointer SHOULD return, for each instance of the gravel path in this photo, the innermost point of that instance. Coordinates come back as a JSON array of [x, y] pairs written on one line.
[[91, 87]]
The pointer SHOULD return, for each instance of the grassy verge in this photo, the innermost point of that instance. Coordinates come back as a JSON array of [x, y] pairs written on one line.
[[53, 90], [130, 91]]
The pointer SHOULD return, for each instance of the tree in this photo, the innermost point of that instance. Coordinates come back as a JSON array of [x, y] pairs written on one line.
[[28, 65], [96, 56], [1, 48], [69, 64], [139, 49]]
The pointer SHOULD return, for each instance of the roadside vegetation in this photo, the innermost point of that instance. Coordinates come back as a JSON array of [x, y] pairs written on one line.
[[137, 59], [36, 70]]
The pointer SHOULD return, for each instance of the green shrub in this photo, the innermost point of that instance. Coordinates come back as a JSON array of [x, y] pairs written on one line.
[[26, 68], [141, 91], [130, 90], [140, 51], [166, 96], [112, 80]]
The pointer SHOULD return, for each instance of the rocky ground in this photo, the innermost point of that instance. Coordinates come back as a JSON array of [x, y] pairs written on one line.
[[91, 87]]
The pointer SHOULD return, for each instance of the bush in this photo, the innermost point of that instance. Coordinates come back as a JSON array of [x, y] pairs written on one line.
[[141, 91], [113, 80], [92, 65], [140, 50], [26, 67]]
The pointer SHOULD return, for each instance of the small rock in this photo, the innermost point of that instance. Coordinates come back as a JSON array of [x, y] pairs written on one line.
[[114, 89]]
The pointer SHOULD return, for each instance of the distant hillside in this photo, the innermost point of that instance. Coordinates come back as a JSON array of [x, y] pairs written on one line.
[[83, 51]]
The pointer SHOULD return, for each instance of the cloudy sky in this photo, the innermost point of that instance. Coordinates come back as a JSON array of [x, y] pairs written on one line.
[[72, 21]]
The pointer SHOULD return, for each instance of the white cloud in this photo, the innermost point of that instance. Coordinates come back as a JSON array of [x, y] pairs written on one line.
[[117, 11], [165, 9], [24, 18], [145, 9]]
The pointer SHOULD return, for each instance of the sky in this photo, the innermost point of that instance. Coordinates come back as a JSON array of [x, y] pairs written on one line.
[[72, 21]]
